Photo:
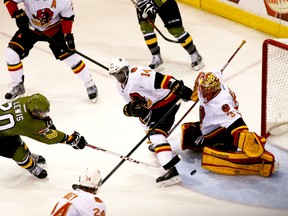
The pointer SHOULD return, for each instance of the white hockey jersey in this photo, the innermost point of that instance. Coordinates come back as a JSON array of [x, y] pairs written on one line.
[[221, 111], [79, 203], [141, 83], [44, 14]]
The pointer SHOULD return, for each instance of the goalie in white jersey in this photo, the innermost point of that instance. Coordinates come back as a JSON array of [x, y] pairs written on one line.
[[149, 95], [222, 135], [52, 18], [82, 201]]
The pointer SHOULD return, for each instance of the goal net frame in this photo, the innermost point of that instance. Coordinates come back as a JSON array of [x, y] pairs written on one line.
[[272, 121]]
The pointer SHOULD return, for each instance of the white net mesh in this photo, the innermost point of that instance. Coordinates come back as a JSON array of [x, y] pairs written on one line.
[[277, 87]]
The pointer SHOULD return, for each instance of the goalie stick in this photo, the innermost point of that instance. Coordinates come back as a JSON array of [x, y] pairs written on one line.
[[222, 69], [121, 156], [61, 45]]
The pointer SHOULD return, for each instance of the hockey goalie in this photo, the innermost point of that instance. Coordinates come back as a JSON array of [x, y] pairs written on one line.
[[227, 145]]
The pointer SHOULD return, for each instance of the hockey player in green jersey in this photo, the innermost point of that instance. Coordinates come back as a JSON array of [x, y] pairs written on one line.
[[169, 12], [27, 116]]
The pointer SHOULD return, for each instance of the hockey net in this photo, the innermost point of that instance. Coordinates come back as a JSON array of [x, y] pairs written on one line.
[[274, 113]]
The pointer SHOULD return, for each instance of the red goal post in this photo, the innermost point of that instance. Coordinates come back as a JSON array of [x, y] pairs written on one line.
[[274, 107]]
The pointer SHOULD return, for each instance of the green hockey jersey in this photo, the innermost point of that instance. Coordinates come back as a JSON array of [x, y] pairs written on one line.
[[15, 119]]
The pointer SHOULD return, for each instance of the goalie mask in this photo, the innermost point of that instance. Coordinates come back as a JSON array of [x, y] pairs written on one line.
[[209, 85], [90, 178], [119, 68], [38, 105]]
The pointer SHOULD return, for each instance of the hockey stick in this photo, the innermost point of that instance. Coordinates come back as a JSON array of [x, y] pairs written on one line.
[[121, 156], [188, 111], [236, 51], [51, 39], [143, 139], [154, 26]]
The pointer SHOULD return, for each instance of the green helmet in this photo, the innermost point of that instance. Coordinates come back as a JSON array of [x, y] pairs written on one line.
[[39, 103]]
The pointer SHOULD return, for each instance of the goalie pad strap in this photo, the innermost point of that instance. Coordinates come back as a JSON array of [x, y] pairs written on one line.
[[172, 162], [237, 163]]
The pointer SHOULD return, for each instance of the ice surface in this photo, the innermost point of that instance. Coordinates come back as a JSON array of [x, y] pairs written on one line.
[[103, 30]]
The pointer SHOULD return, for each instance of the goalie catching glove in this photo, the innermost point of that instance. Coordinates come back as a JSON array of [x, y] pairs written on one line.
[[182, 91], [147, 7], [76, 140], [136, 108]]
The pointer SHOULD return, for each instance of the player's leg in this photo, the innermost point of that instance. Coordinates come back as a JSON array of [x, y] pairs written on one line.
[[151, 40], [162, 147], [76, 64], [13, 147], [18, 48], [170, 15]]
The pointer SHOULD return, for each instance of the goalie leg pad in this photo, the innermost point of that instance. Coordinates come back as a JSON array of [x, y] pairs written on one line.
[[237, 163], [251, 143]]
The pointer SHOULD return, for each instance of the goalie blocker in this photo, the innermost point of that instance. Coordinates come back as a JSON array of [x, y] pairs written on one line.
[[220, 153]]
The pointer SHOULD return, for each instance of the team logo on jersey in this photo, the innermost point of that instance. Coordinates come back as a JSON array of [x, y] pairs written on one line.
[[225, 108], [43, 17]]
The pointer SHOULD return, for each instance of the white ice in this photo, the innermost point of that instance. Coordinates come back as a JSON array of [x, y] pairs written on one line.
[[103, 30]]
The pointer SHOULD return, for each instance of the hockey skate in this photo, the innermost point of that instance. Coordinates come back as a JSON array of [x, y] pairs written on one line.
[[38, 172], [156, 62], [16, 90], [171, 177], [38, 159], [197, 61], [92, 91]]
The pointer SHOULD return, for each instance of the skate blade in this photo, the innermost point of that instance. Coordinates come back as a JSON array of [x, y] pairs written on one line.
[[199, 66], [94, 100], [159, 68], [169, 182]]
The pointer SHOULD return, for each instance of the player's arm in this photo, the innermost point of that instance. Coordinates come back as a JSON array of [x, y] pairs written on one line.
[[11, 7], [50, 135], [67, 20], [22, 20], [176, 86]]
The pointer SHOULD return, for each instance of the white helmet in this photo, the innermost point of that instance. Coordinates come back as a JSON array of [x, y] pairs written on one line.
[[90, 178], [117, 64]]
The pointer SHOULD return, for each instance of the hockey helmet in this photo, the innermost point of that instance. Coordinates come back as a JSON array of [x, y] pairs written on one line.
[[38, 105], [119, 68], [209, 85], [90, 178]]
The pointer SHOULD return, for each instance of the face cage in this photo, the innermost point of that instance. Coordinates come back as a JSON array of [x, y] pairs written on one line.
[[208, 93], [122, 74], [39, 114]]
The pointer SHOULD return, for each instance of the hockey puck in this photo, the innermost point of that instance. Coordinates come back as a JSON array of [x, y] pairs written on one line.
[[193, 172]]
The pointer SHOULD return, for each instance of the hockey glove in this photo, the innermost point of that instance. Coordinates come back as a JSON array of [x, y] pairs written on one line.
[[182, 91], [22, 20], [135, 108], [69, 39], [147, 8], [76, 141]]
